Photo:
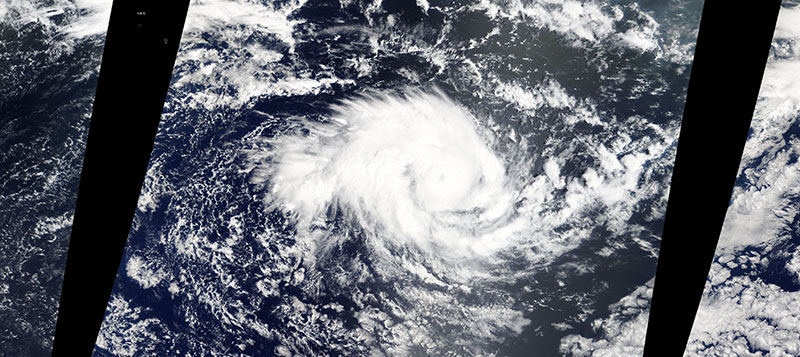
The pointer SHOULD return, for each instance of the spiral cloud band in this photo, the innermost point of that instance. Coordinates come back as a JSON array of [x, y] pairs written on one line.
[[412, 169]]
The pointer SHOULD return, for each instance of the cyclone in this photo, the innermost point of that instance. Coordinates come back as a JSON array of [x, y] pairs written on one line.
[[411, 170], [312, 192]]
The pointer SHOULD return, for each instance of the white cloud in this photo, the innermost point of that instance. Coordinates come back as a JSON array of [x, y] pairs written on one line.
[[793, 265], [412, 169], [622, 333], [548, 94], [759, 207], [82, 18], [740, 314], [622, 171], [267, 17], [143, 273], [788, 20], [744, 316], [125, 333], [93, 21], [580, 21], [759, 211], [209, 77]]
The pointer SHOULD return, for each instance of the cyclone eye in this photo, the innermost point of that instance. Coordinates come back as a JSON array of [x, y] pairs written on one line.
[[409, 169]]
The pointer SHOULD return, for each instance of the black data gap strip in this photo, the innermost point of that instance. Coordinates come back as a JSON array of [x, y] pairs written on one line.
[[732, 49], [140, 49]]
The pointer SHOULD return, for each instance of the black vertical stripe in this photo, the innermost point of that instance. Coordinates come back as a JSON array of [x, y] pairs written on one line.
[[732, 49], [135, 72]]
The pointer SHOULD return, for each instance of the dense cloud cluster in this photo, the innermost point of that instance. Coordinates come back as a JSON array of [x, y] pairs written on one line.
[[247, 239], [749, 303]]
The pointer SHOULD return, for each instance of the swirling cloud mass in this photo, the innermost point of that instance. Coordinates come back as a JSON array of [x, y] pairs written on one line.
[[410, 169]]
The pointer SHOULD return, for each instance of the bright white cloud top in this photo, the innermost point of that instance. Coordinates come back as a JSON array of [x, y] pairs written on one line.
[[311, 191], [83, 18], [749, 306], [409, 169]]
